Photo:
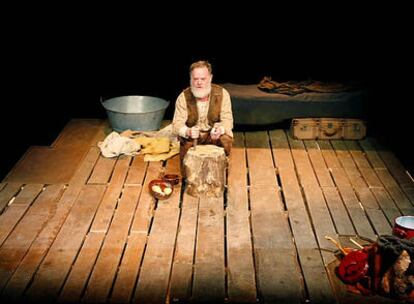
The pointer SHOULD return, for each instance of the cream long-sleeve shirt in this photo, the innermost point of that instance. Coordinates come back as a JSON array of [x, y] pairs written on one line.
[[181, 115]]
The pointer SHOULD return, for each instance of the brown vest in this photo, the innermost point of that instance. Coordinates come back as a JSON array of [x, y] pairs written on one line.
[[214, 109]]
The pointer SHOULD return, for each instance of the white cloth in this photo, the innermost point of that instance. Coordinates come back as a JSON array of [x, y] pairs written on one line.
[[115, 144]]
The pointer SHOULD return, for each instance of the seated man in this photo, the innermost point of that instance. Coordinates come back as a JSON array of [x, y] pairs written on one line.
[[203, 112]]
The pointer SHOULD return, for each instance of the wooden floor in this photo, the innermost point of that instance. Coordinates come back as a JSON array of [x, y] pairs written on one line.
[[77, 227]]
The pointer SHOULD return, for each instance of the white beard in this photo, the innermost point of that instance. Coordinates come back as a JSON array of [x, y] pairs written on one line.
[[201, 93]]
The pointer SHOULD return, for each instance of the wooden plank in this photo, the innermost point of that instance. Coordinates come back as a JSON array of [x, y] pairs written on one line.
[[106, 266], [19, 241], [237, 198], [354, 208], [128, 270], [357, 153], [102, 171], [29, 265], [394, 165], [120, 171], [84, 170], [400, 198], [323, 221], [386, 203], [340, 177], [144, 212], [336, 170], [259, 158], [340, 216], [394, 190], [318, 164], [278, 278], [310, 258], [356, 212], [397, 170], [371, 153], [348, 164], [362, 163], [376, 216], [104, 130], [105, 212], [262, 176], [182, 271], [54, 268], [2, 185], [258, 150], [9, 220], [13, 214], [241, 275], [237, 170], [44, 165], [366, 198], [265, 198], [304, 168], [329, 154], [319, 289], [281, 149], [152, 285], [78, 133], [278, 274], [79, 274], [299, 218], [379, 221], [136, 171], [7, 193], [370, 177], [28, 193], [209, 274], [154, 171]]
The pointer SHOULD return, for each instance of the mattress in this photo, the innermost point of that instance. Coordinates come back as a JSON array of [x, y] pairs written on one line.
[[252, 106]]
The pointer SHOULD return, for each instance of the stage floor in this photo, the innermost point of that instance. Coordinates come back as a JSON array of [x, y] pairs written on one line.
[[76, 226]]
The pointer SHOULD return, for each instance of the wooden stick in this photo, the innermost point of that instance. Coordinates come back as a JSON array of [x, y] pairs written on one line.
[[356, 243], [336, 244]]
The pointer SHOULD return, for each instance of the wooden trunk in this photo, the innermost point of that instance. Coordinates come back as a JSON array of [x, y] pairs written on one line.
[[328, 128], [205, 168]]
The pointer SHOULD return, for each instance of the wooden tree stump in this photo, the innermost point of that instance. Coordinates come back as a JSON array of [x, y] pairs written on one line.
[[205, 168]]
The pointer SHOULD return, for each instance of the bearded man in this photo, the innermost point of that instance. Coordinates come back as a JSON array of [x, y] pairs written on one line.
[[203, 112]]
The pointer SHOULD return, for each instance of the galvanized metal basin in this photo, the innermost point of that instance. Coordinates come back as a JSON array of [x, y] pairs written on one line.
[[135, 112]]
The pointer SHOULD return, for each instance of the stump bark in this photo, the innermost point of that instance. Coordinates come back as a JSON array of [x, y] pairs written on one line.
[[205, 168]]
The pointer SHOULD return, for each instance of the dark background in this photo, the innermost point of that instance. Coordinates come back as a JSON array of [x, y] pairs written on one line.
[[54, 71]]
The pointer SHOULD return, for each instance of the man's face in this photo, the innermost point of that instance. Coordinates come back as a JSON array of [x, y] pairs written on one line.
[[200, 82]]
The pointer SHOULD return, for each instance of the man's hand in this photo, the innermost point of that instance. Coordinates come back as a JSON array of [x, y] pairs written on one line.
[[215, 133], [194, 132]]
